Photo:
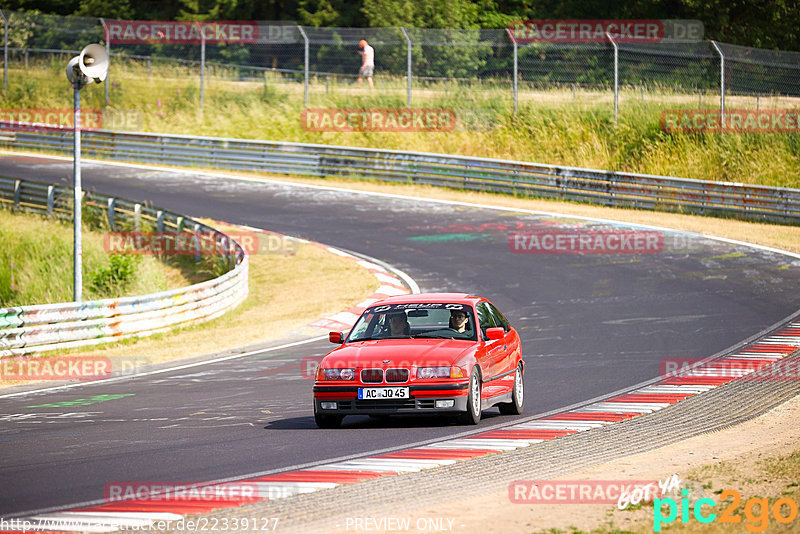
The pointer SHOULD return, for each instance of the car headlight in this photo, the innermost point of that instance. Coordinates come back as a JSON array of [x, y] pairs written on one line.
[[433, 372], [335, 374]]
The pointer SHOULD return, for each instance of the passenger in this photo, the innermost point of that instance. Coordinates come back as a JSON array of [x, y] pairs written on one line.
[[458, 320]]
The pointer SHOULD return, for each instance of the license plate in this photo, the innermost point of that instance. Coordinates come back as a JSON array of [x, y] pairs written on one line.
[[382, 393]]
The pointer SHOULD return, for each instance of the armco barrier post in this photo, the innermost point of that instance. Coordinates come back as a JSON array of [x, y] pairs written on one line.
[[51, 193], [111, 206]]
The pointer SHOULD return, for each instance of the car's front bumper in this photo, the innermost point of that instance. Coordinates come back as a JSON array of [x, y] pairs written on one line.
[[422, 400]]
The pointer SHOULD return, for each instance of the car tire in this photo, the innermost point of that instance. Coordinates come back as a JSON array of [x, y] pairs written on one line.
[[517, 395], [473, 414], [328, 421]]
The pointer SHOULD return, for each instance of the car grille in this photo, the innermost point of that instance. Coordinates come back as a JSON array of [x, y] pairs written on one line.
[[376, 376], [372, 376], [395, 376], [384, 404]]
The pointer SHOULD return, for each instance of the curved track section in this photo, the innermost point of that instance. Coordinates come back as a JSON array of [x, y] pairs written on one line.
[[591, 324]]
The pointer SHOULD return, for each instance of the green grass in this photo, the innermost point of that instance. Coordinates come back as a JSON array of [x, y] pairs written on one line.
[[36, 257], [556, 126]]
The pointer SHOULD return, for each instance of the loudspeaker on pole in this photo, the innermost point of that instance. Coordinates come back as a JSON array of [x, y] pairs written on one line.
[[91, 64]]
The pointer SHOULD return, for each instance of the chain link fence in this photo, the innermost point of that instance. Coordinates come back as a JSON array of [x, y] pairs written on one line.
[[422, 66]]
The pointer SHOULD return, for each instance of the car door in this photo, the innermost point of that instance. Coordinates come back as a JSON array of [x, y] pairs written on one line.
[[495, 352], [510, 340]]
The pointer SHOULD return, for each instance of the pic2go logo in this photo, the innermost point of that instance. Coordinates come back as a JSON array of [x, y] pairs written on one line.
[[756, 511]]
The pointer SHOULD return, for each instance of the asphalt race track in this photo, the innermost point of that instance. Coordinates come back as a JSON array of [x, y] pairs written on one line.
[[590, 324]]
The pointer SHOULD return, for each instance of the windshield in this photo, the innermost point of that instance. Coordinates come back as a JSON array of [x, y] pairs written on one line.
[[416, 320]]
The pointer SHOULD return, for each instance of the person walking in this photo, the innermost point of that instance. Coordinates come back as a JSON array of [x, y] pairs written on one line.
[[367, 62]]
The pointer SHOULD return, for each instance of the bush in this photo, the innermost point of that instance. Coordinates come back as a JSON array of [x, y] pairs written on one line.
[[112, 280]]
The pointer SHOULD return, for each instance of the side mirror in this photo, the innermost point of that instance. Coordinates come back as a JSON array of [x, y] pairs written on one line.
[[337, 337], [496, 332]]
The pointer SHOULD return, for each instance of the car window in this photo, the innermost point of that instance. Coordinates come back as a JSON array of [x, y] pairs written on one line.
[[499, 320], [485, 317], [423, 320]]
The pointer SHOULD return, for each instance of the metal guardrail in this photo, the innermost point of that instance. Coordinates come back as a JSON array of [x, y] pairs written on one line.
[[31, 329], [608, 188]]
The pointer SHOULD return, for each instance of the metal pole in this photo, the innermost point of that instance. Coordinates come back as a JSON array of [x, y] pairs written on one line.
[[514, 86], [408, 66], [108, 51], [5, 53], [721, 84], [616, 76], [305, 69], [202, 67], [76, 208]]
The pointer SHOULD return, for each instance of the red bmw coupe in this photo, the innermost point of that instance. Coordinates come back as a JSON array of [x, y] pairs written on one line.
[[449, 353]]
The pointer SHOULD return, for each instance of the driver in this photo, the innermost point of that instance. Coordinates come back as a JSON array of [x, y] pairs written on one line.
[[458, 320], [398, 324]]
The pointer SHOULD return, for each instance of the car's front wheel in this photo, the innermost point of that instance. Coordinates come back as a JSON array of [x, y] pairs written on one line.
[[517, 395], [328, 420], [473, 414]]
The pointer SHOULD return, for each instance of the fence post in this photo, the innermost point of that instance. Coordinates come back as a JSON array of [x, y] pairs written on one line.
[[305, 68], [721, 84], [616, 76], [408, 65], [5, 53], [108, 51], [514, 87], [202, 67]]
